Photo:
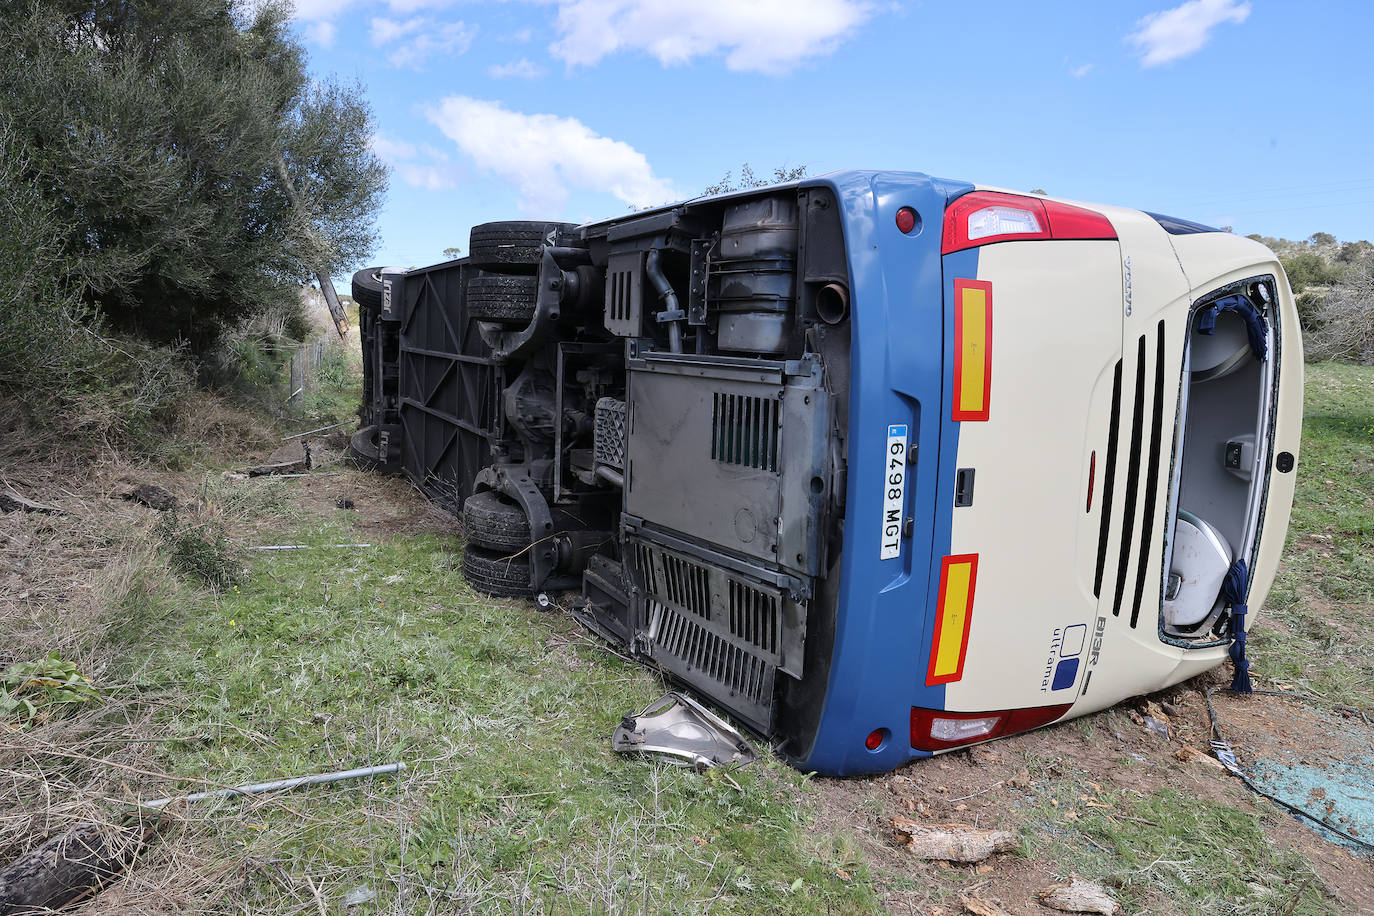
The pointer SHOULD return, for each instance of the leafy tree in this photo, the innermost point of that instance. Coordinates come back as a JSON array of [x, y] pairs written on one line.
[[747, 179], [454, 252], [1310, 269], [161, 137], [1355, 252], [1321, 238]]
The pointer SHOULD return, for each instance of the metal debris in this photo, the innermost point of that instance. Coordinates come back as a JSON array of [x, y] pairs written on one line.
[[684, 732], [305, 546], [280, 785]]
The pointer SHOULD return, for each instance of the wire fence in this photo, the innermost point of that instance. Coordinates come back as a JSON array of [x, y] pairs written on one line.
[[305, 366]]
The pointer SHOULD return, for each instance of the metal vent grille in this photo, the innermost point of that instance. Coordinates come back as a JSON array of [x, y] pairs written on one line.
[[623, 295], [610, 433], [1141, 430], [618, 296], [720, 633], [744, 430], [753, 616], [743, 675]]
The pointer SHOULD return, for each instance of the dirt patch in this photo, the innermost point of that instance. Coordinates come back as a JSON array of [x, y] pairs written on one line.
[[1048, 780]]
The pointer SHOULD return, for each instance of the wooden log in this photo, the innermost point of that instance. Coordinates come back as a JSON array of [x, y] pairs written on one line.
[[951, 842], [13, 502], [70, 866], [1078, 896]]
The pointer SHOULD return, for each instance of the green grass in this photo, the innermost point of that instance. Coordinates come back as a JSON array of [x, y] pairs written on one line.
[[1172, 853], [1319, 635], [514, 801], [335, 387], [322, 660]]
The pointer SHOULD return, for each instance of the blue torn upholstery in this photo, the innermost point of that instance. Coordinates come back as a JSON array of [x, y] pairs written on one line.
[[1233, 589], [1254, 321]]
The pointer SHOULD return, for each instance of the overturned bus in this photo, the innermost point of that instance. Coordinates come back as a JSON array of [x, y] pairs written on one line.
[[881, 465]]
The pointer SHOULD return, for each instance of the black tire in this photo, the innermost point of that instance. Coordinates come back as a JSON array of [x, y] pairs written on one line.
[[510, 247], [495, 521], [503, 299], [367, 288], [496, 572], [366, 454]]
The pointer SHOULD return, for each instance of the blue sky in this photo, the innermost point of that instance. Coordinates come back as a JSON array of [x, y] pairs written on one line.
[[1254, 114]]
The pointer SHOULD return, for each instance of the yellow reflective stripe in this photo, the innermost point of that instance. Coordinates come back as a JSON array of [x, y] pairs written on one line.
[[974, 317], [953, 615]]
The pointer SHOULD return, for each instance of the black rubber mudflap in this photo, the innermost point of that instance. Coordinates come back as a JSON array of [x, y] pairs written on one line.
[[497, 572], [494, 521]]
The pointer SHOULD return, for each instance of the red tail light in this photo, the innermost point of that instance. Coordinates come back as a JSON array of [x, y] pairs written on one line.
[[937, 730], [982, 217]]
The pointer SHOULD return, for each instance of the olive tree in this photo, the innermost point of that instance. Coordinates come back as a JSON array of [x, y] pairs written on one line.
[[161, 138]]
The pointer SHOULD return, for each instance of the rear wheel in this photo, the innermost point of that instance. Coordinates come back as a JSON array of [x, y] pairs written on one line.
[[511, 246], [367, 288], [503, 299], [495, 521], [365, 450], [497, 572]]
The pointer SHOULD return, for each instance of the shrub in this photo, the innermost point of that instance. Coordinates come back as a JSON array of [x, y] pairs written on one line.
[[33, 692], [1344, 321], [200, 551]]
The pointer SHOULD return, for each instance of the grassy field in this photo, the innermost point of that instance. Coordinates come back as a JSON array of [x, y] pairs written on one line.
[[1317, 629], [221, 665], [513, 800]]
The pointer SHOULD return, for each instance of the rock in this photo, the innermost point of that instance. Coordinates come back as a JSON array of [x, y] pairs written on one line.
[[289, 459], [11, 501], [1021, 780], [152, 496], [292, 452], [951, 842], [1078, 896]]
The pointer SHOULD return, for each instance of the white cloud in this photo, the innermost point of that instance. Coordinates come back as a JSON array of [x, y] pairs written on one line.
[[410, 6], [1176, 33], [767, 36], [391, 150], [517, 69], [423, 38], [545, 156], [385, 30], [321, 33], [420, 167], [1080, 72], [316, 10]]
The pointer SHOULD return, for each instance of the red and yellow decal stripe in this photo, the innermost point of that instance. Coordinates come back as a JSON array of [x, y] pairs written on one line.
[[972, 349], [954, 614]]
